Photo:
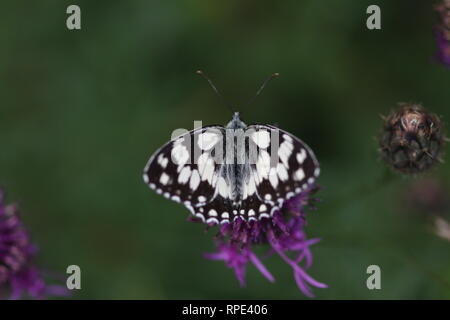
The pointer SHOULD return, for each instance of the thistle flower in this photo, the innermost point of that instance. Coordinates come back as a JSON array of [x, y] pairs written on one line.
[[412, 139], [442, 31], [18, 275], [283, 233]]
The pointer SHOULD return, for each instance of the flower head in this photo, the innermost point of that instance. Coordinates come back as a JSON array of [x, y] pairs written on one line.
[[18, 275], [442, 32], [284, 234], [412, 139]]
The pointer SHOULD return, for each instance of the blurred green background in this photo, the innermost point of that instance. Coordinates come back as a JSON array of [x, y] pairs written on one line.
[[81, 112]]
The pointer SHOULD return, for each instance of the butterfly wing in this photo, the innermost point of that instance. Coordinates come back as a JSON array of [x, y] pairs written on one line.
[[185, 169], [283, 167]]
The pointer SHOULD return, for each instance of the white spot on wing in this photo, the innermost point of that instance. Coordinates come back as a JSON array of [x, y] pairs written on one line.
[[261, 138], [273, 210], [180, 155], [207, 140], [223, 187], [299, 174], [263, 215], [282, 172], [263, 164], [179, 141], [206, 167], [285, 151], [244, 191], [287, 137], [251, 188], [301, 156], [195, 180], [184, 175], [317, 172], [201, 161], [212, 213], [164, 179], [162, 161], [212, 221]]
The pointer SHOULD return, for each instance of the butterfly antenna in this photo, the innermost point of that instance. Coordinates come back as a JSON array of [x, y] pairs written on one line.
[[274, 75], [222, 99]]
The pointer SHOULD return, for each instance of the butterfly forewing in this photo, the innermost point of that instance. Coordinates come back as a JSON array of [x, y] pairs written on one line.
[[184, 169]]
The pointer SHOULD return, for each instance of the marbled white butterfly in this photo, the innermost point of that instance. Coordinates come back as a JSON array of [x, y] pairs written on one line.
[[221, 173]]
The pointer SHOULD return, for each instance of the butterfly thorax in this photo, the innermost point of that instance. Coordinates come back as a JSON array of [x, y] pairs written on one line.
[[236, 122], [235, 170]]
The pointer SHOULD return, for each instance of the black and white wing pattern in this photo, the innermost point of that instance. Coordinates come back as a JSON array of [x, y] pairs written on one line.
[[284, 167], [184, 169], [219, 183]]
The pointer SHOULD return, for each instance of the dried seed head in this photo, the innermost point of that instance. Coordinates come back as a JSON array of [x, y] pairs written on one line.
[[412, 139]]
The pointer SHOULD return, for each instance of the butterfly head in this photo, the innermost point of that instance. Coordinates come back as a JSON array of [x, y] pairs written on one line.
[[236, 122]]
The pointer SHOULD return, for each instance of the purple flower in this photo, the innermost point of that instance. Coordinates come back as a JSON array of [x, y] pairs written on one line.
[[283, 233], [442, 32], [18, 275]]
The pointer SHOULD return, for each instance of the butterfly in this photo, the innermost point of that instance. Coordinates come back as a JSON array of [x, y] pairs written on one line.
[[224, 173]]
